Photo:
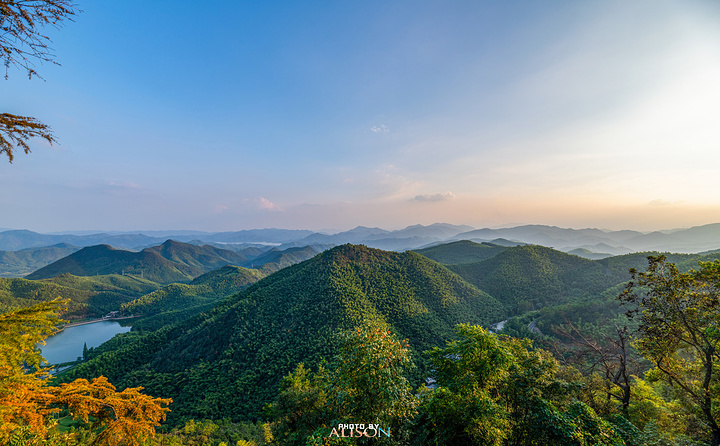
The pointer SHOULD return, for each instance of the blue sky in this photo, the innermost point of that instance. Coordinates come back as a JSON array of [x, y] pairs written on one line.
[[238, 115]]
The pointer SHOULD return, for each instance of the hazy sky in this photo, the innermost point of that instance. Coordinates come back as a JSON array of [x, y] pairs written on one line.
[[230, 115]]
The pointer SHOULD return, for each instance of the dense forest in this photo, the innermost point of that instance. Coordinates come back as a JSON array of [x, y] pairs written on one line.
[[493, 344]]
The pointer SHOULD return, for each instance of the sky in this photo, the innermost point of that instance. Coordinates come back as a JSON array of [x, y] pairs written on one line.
[[231, 115]]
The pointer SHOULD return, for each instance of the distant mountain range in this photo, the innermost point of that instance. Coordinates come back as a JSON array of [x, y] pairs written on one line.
[[589, 243]]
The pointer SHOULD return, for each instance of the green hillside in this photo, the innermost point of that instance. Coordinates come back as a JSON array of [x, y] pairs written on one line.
[[176, 302], [167, 263], [530, 277], [275, 259], [463, 251], [201, 258], [23, 262], [228, 363], [103, 259], [89, 296], [601, 309]]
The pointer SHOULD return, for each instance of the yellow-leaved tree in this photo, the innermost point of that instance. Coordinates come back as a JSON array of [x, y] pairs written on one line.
[[27, 401]]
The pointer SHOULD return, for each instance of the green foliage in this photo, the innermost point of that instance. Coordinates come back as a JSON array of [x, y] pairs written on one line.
[[365, 383], [301, 406], [497, 390], [368, 380], [213, 433], [679, 320]]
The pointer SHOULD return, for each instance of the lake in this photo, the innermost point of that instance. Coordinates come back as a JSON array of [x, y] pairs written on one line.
[[67, 345]]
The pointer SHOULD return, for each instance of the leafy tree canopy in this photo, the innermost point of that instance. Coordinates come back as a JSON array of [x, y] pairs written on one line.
[[27, 400], [22, 43], [679, 331]]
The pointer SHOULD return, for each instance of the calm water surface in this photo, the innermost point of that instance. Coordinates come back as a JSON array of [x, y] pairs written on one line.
[[68, 345]]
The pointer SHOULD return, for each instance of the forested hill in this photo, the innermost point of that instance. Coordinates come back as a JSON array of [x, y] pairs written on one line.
[[228, 364], [462, 251], [276, 259], [179, 301], [202, 257], [167, 263], [20, 263], [531, 277], [89, 296]]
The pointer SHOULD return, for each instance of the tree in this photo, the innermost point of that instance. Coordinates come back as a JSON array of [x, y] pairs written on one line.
[[27, 401], [370, 382], [365, 383], [497, 390], [610, 357], [679, 330], [22, 44], [300, 407]]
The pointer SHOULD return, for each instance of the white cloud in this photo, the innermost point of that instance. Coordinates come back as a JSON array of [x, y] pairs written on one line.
[[435, 197], [268, 205], [382, 128]]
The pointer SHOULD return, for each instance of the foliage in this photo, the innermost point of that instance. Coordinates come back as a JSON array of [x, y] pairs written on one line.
[[301, 406], [364, 384], [368, 383], [679, 330], [15, 130], [21, 42], [125, 417], [27, 401], [497, 390], [214, 433]]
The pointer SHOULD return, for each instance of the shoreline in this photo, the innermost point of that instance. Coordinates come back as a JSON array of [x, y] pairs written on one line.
[[93, 321]]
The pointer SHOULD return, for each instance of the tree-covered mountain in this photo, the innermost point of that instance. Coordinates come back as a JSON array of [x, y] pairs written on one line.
[[89, 296], [462, 251], [104, 259], [275, 258], [22, 262], [228, 362], [167, 263], [201, 258], [177, 302], [530, 277]]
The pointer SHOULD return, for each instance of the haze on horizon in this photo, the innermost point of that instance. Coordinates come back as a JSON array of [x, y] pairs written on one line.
[[337, 114]]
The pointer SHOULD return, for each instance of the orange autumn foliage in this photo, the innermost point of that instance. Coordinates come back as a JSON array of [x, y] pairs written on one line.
[[27, 400]]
